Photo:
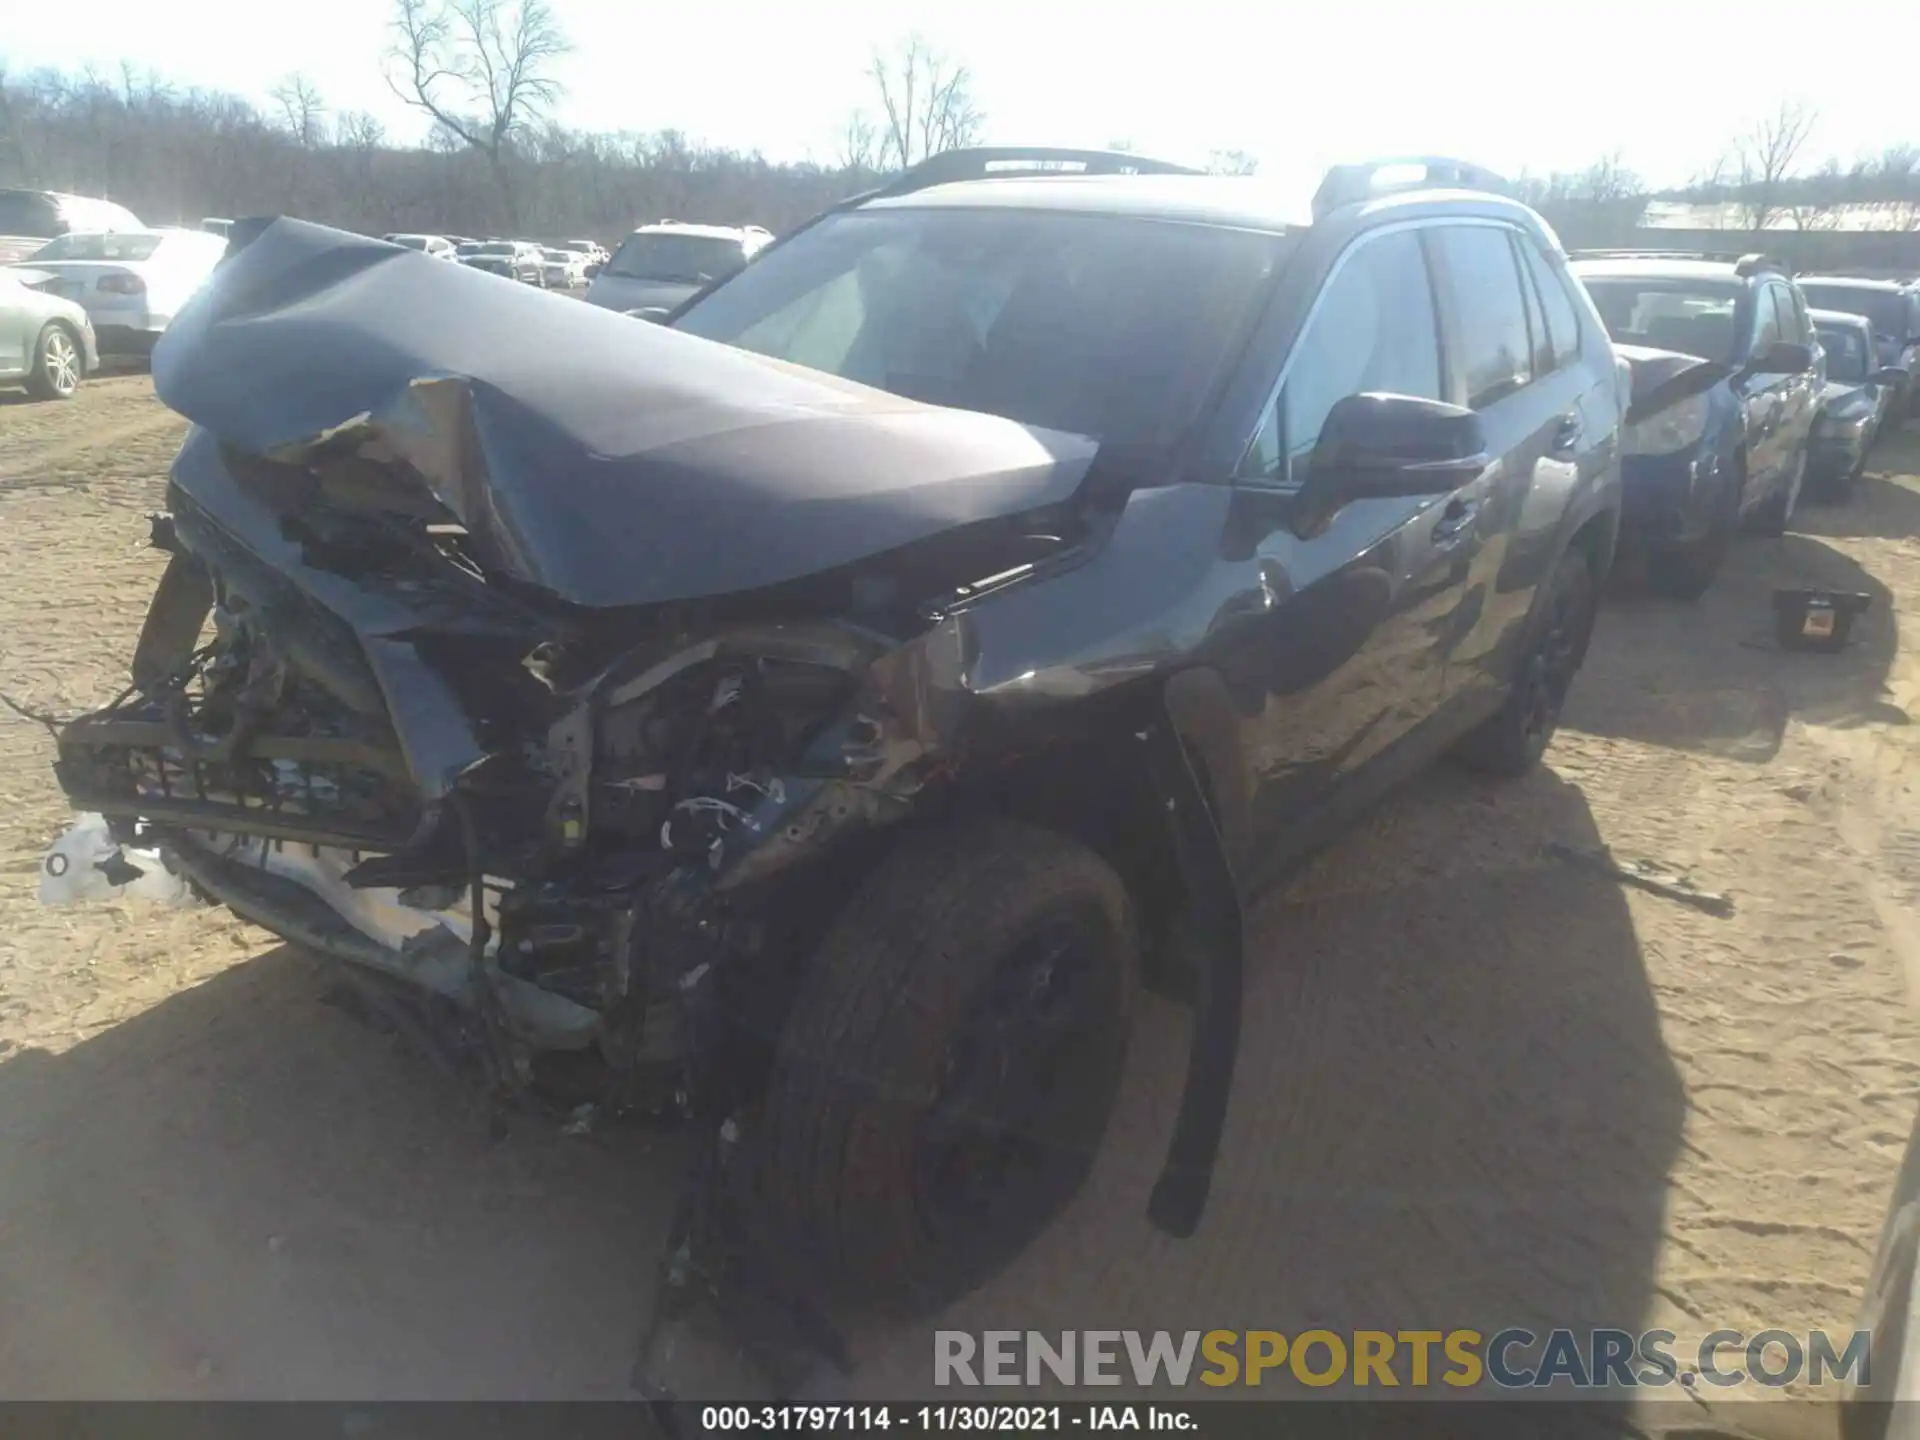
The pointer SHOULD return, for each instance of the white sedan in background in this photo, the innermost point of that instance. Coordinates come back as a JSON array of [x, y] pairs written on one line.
[[437, 246], [566, 269], [131, 283]]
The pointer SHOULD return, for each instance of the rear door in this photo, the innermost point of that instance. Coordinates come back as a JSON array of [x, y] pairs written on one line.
[[1766, 399], [1802, 390]]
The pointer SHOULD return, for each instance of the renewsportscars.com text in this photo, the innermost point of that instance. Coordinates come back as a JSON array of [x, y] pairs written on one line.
[[1509, 1359]]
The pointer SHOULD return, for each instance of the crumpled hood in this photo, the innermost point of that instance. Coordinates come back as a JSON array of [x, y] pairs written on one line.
[[610, 461], [1665, 377]]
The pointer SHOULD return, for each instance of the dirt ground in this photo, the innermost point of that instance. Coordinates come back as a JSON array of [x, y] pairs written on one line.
[[1478, 1087]]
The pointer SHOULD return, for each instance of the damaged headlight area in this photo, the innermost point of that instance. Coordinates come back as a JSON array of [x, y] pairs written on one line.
[[629, 832], [1678, 427]]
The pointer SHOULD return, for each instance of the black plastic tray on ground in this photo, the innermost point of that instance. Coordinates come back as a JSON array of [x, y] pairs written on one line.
[[1817, 620]]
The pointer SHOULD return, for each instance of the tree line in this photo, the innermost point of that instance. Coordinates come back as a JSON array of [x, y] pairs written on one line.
[[1762, 176], [495, 160]]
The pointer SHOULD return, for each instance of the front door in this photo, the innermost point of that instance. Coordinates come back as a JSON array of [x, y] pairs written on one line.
[[1346, 656]]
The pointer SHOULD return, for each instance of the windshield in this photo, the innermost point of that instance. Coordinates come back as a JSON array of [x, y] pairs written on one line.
[[99, 247], [1691, 317], [1102, 326], [1846, 352], [689, 259], [559, 257], [1887, 309], [498, 247], [412, 242], [22, 212]]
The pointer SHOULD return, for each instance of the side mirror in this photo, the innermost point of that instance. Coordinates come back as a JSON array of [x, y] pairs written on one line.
[[1381, 446], [1785, 358]]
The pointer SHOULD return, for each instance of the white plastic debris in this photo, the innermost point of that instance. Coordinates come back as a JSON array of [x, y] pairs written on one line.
[[88, 864]]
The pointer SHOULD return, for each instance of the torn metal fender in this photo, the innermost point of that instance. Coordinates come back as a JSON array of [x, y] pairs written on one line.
[[1180, 1195]]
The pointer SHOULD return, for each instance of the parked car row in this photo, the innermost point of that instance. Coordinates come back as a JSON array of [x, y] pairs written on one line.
[[1737, 403]]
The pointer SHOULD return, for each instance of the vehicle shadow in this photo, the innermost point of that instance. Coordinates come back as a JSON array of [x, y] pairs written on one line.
[[1453, 1107], [1881, 506], [1709, 676], [243, 1193]]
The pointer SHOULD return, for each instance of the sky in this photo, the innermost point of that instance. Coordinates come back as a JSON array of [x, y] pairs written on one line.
[[1511, 86]]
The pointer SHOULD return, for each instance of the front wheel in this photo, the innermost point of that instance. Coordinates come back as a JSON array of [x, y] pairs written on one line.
[[946, 1074], [56, 365], [1514, 738]]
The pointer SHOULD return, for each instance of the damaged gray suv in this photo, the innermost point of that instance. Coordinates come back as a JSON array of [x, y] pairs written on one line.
[[810, 714]]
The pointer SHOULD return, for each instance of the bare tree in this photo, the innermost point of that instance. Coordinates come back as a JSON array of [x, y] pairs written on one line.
[[482, 69], [1231, 162], [1763, 161], [857, 145], [302, 108], [926, 103], [357, 130]]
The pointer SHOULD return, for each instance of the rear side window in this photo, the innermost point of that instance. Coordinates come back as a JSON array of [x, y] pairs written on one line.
[[1563, 325], [1802, 322], [1490, 339], [1791, 330], [1766, 321], [1372, 330]]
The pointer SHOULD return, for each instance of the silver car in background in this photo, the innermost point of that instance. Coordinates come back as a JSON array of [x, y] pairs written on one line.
[[46, 343], [565, 269], [131, 282], [439, 247], [658, 266]]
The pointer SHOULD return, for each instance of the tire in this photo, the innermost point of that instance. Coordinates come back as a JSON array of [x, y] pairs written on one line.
[[57, 365], [1776, 513], [1686, 572], [900, 1158], [1840, 489], [1512, 740]]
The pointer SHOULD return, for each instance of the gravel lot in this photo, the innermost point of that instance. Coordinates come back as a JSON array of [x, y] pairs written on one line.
[[1478, 1087]]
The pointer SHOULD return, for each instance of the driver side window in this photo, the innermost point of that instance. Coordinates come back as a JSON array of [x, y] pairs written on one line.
[[1372, 330]]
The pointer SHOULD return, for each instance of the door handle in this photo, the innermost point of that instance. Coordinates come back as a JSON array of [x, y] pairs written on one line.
[[1454, 521], [1566, 434]]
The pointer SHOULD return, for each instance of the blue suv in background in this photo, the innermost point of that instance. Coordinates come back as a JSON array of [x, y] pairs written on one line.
[[1723, 401]]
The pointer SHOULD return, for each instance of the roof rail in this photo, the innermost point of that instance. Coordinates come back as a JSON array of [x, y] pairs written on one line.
[[1749, 263], [991, 162], [1350, 184]]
